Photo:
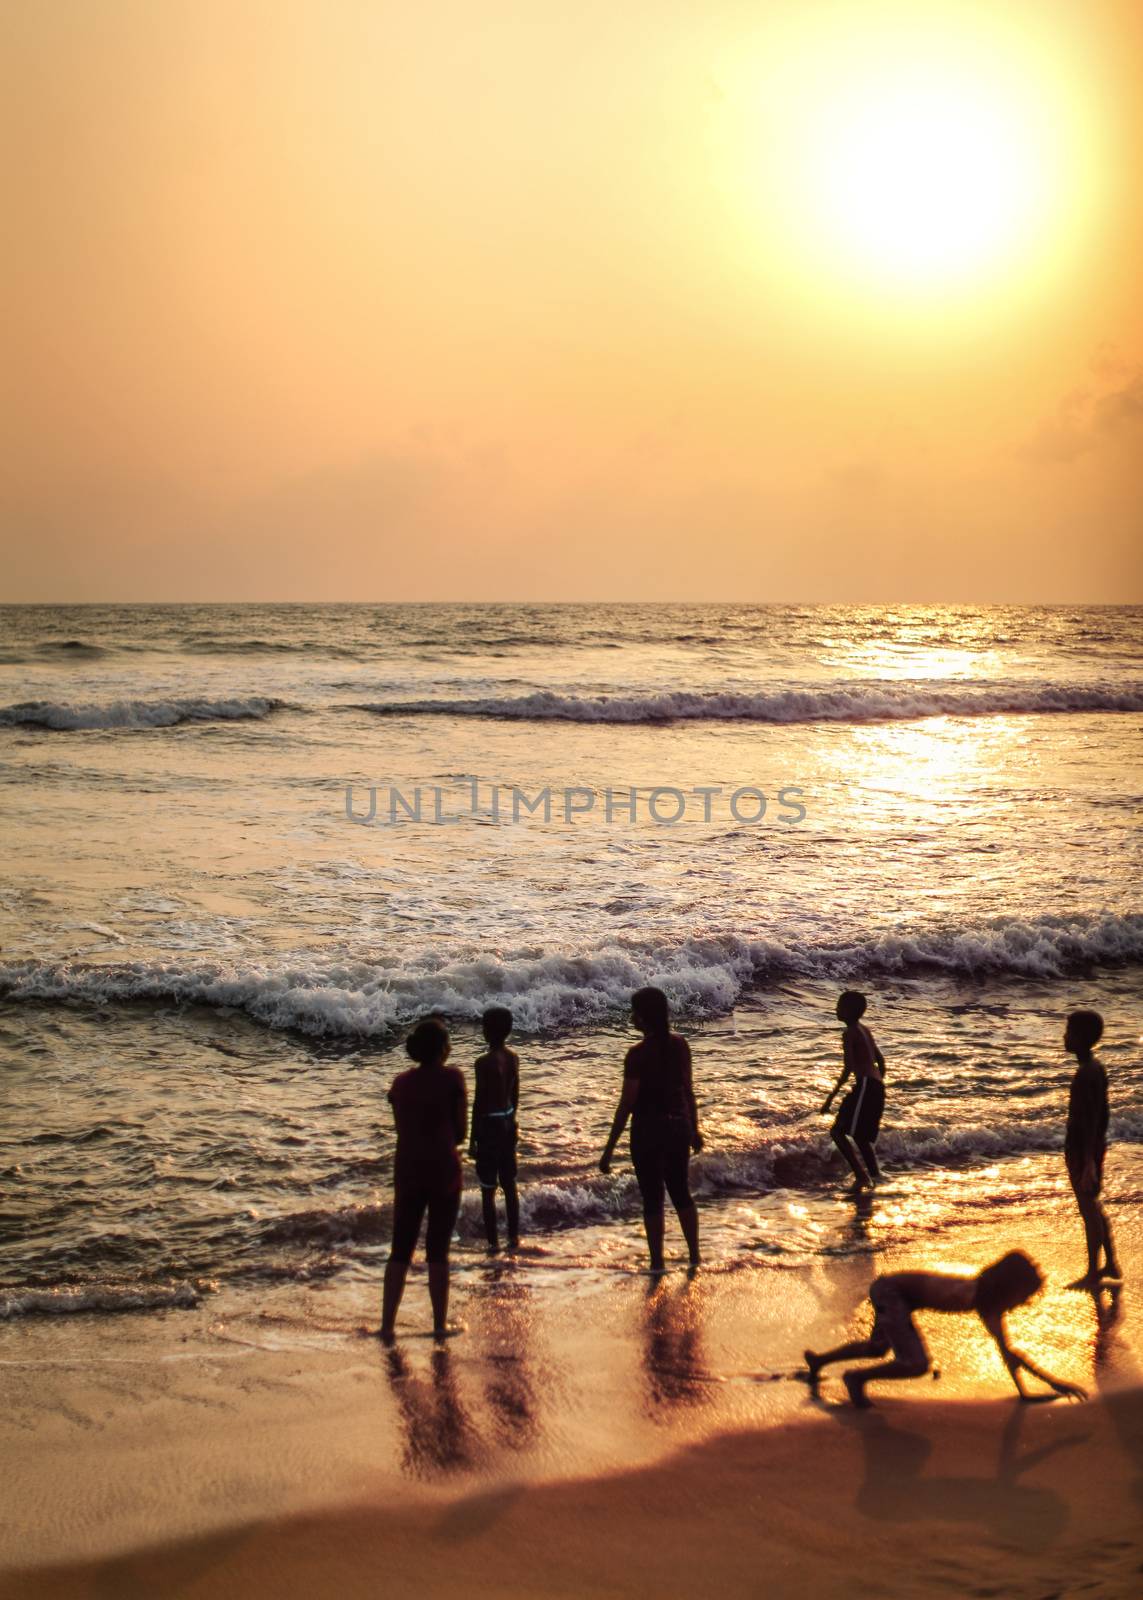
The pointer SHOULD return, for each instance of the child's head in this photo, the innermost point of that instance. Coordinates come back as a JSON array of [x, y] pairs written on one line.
[[429, 1043], [851, 1006], [651, 1011], [497, 1025], [1083, 1032], [1008, 1283]]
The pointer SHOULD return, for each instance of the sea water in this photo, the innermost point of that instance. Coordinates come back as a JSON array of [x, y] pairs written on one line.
[[247, 846]]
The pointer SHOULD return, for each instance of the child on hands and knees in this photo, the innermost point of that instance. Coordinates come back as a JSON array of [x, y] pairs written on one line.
[[1085, 1144], [1000, 1288], [494, 1127], [859, 1116]]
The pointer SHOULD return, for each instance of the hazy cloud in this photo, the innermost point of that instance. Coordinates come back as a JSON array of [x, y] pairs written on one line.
[[1086, 418]]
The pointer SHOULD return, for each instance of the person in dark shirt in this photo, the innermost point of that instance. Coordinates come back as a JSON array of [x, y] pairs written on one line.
[[1000, 1288], [430, 1108], [494, 1128], [658, 1095], [1085, 1144]]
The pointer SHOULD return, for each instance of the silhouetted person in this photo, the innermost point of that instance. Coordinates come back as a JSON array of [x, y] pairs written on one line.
[[494, 1126], [430, 1110], [1085, 1143], [1007, 1283], [658, 1095], [859, 1115]]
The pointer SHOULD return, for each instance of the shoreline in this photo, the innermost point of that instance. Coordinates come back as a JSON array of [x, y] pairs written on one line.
[[264, 1420]]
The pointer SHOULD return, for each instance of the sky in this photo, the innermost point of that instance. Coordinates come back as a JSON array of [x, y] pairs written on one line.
[[790, 300]]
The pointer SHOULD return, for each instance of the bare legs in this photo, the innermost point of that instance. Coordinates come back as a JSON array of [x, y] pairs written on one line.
[[863, 1180], [861, 1350], [512, 1216], [395, 1274], [438, 1296], [1097, 1234], [655, 1228], [869, 1156]]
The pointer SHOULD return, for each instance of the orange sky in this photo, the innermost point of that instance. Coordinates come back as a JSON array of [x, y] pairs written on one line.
[[342, 299]]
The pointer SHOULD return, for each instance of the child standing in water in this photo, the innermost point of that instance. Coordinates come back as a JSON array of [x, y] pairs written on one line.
[[859, 1116], [1000, 1288], [1085, 1144], [494, 1127], [658, 1095], [430, 1109]]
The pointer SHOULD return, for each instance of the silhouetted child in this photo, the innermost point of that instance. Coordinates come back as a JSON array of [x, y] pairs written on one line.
[[1007, 1283], [659, 1096], [1085, 1143], [494, 1127], [430, 1109], [859, 1116]]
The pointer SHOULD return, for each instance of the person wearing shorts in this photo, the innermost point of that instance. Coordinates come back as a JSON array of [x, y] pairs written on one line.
[[658, 1096], [494, 1126], [430, 1109], [858, 1120]]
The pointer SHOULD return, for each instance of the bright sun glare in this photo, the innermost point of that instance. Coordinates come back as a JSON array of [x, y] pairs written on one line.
[[928, 179], [914, 153]]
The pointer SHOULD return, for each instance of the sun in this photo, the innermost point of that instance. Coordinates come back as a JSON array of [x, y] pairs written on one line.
[[928, 177], [909, 153]]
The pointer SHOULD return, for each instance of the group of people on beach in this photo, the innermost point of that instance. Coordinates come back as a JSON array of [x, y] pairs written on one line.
[[430, 1109]]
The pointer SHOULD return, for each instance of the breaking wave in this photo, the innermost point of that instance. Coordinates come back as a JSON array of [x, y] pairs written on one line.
[[854, 702], [355, 999], [130, 714]]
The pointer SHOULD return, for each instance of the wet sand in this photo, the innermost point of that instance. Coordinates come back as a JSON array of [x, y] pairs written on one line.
[[918, 1498], [589, 1433]]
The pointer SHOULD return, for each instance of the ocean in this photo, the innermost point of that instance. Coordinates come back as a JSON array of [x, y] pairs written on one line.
[[247, 846]]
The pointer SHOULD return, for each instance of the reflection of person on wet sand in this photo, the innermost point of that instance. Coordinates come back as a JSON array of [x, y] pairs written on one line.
[[673, 1353], [438, 1434], [1000, 1288], [504, 1312]]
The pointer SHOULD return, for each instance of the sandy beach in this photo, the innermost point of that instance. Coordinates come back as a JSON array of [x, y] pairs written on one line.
[[586, 1434]]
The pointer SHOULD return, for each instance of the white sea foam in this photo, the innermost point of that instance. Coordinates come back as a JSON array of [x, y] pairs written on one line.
[[99, 1297], [130, 714], [702, 977], [847, 702]]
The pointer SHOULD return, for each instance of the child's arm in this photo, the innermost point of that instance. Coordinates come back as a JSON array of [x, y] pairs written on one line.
[[477, 1104], [460, 1109], [877, 1056], [514, 1086], [623, 1110], [1015, 1361], [846, 1069], [688, 1079]]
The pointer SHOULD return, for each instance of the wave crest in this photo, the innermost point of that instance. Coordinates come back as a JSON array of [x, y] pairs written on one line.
[[702, 977], [853, 702], [129, 714]]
